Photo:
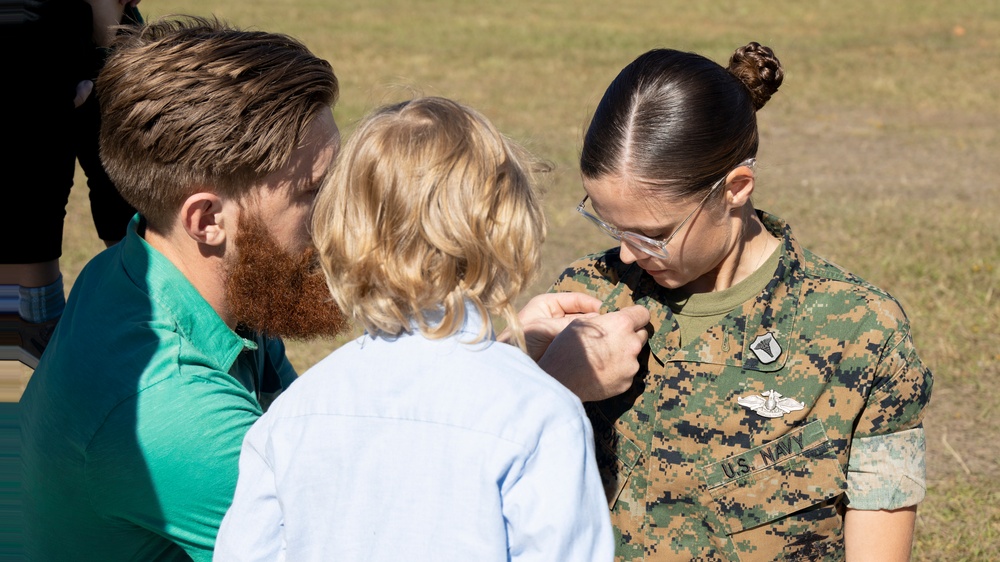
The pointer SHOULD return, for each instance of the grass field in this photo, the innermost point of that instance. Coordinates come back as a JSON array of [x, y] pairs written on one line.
[[878, 149]]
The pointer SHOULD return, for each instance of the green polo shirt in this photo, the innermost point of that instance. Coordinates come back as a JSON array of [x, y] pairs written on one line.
[[131, 425]]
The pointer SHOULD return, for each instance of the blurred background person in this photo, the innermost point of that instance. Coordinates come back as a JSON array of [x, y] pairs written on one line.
[[54, 50]]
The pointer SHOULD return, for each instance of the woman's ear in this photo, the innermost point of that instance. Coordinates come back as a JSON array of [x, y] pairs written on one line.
[[739, 186], [204, 218]]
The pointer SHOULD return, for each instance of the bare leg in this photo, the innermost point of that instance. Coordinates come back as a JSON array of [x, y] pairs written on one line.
[[30, 274]]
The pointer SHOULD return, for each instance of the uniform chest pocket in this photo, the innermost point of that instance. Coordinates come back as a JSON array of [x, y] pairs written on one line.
[[616, 458], [797, 471]]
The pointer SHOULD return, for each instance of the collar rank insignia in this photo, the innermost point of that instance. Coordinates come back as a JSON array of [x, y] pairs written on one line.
[[770, 404], [766, 348]]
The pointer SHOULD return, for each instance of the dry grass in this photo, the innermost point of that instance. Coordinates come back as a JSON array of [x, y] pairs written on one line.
[[879, 150]]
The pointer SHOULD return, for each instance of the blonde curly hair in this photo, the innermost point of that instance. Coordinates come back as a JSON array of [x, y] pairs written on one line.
[[428, 206]]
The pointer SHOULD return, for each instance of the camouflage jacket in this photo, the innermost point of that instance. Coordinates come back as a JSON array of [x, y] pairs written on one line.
[[750, 441]]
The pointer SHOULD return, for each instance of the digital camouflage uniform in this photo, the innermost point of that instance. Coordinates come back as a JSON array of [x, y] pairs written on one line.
[[691, 474]]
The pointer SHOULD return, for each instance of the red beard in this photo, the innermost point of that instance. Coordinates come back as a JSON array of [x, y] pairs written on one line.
[[277, 294]]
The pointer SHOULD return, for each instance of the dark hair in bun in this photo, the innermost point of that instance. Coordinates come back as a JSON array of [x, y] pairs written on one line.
[[759, 70]]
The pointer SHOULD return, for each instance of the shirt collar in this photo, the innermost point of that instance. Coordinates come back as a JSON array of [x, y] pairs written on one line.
[[469, 330], [766, 320], [175, 300]]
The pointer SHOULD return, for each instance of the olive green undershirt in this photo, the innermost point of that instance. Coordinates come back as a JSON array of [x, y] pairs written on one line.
[[698, 312]]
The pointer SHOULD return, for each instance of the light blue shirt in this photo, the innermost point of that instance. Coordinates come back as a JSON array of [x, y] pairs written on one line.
[[420, 450]]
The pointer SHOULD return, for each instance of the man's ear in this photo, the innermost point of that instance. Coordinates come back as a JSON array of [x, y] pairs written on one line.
[[204, 219]]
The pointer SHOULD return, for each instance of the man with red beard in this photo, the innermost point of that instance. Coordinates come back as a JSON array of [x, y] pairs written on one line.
[[169, 348]]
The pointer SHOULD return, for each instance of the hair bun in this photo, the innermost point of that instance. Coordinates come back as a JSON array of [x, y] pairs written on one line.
[[760, 71]]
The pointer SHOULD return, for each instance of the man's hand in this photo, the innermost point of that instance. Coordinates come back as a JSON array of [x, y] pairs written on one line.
[[558, 305], [548, 314], [106, 15], [592, 354], [596, 356], [83, 90]]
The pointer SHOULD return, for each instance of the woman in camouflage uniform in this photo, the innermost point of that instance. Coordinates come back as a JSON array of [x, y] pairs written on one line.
[[777, 414]]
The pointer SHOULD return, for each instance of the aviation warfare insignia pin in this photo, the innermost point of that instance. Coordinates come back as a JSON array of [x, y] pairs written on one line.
[[770, 404]]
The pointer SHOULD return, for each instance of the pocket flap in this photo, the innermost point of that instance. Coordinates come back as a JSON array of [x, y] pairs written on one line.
[[788, 474], [616, 457]]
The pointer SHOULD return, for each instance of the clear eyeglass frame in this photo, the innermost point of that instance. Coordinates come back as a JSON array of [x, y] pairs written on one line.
[[651, 246]]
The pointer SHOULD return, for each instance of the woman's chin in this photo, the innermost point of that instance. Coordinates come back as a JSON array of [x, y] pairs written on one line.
[[665, 278]]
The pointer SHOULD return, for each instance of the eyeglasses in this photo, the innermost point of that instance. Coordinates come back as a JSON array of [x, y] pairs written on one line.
[[653, 247]]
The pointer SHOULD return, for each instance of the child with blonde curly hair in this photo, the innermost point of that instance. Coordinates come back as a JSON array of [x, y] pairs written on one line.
[[425, 438]]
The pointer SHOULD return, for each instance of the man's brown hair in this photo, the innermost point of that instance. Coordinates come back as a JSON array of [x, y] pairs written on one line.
[[193, 104]]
